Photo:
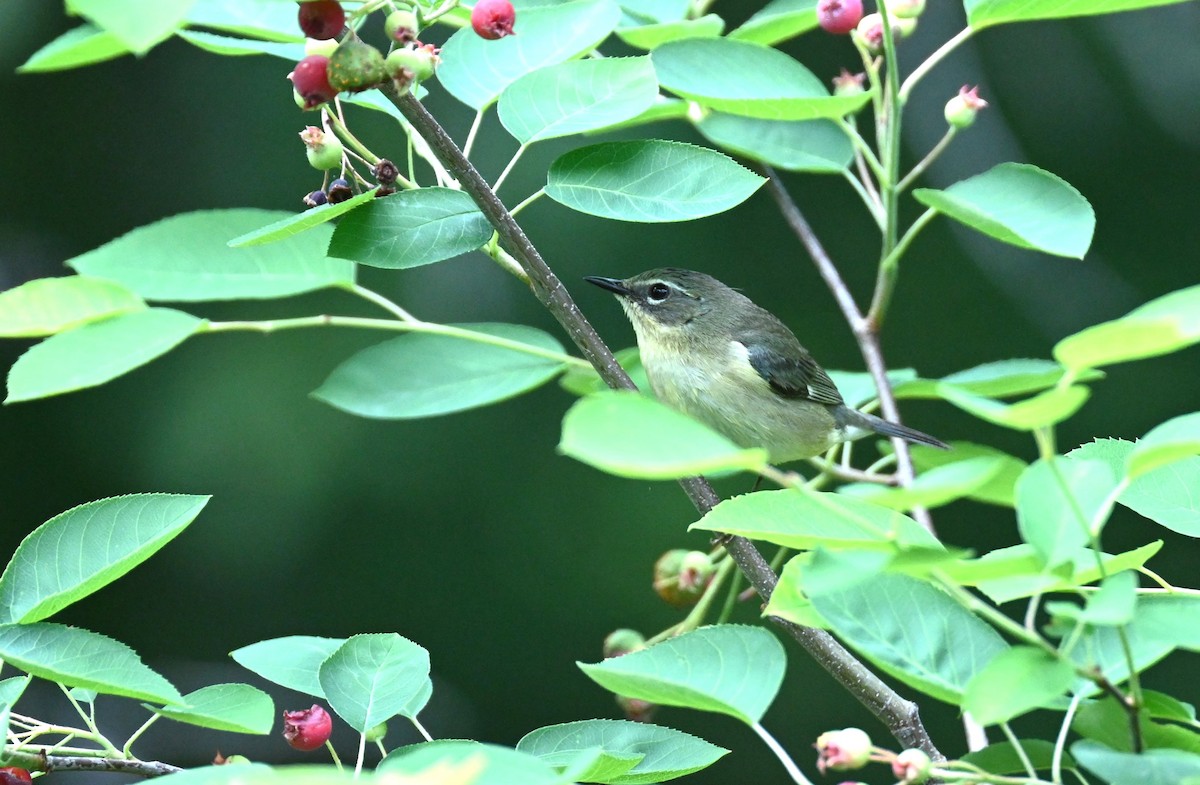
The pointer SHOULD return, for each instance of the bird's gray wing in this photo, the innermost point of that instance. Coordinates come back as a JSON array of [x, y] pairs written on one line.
[[792, 373]]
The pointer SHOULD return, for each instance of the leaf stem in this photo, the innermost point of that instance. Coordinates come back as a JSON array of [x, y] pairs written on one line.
[[420, 728], [788, 764], [415, 326], [1020, 750], [509, 167], [471, 134], [137, 734], [533, 197]]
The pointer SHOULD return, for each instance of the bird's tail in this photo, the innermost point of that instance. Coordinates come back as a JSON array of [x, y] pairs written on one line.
[[886, 428]]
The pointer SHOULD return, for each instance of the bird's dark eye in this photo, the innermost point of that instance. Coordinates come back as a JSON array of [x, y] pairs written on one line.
[[658, 292]]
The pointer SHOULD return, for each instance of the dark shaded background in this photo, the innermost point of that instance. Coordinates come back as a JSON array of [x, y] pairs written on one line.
[[468, 533]]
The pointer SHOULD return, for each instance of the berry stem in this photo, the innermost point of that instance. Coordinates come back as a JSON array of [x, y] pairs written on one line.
[[533, 197], [938, 55], [774, 746], [929, 158], [470, 143], [137, 734], [866, 190]]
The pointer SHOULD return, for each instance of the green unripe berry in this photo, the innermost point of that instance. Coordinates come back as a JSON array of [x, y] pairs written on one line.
[[420, 62], [402, 26], [324, 150], [355, 66], [376, 732]]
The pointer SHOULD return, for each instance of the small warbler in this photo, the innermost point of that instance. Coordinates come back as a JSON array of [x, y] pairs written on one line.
[[713, 354]]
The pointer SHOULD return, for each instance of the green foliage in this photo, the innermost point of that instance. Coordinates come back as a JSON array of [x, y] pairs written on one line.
[[46, 306], [576, 97], [631, 753], [793, 145], [86, 548], [729, 669], [299, 222], [238, 708], [293, 662], [371, 678], [747, 79], [649, 181], [421, 375], [634, 436], [982, 13], [187, 258], [411, 228], [1019, 204]]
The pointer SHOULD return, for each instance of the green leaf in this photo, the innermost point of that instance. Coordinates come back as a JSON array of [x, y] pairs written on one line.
[[1000, 379], [298, 222], [1014, 682], [10, 692], [1000, 489], [138, 24], [649, 181], [88, 547], [659, 753], [747, 79], [729, 669], [1003, 759], [98, 352], [1161, 706], [372, 678], [1166, 324], [79, 46], [1177, 439], [79, 658], [1107, 721], [293, 661], [858, 388], [1060, 503], [1165, 495], [229, 46], [576, 97], [583, 380], [1018, 571], [778, 21], [46, 306], [631, 435], [804, 520], [187, 258], [411, 228], [914, 632], [1152, 767], [269, 20], [495, 765], [476, 71], [423, 374], [795, 145], [1112, 606], [1042, 410], [238, 708], [1021, 205], [933, 488], [789, 601], [654, 35], [984, 13], [662, 109]]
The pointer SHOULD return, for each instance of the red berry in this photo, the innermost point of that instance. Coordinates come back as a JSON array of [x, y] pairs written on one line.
[[493, 19], [322, 19], [839, 16], [307, 729], [310, 77], [11, 775]]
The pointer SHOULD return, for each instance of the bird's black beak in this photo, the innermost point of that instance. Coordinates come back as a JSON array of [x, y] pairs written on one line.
[[614, 285]]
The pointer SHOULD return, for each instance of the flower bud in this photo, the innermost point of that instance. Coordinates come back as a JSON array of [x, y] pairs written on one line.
[[324, 150], [849, 748], [307, 729], [912, 766], [623, 641]]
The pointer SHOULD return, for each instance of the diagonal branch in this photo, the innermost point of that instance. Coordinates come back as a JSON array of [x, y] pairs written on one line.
[[898, 714]]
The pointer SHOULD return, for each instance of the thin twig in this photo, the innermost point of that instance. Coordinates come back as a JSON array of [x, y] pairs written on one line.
[[37, 761]]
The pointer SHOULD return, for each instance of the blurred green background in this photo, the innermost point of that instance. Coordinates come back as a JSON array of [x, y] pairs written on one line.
[[468, 533]]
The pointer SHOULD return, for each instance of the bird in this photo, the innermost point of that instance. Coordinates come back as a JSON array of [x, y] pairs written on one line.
[[713, 354]]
